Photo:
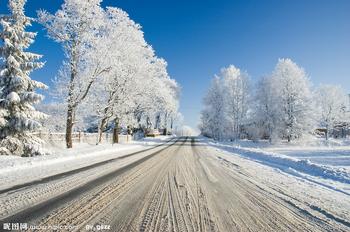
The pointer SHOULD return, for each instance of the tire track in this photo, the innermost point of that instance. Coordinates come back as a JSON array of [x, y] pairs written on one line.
[[74, 171], [259, 209], [41, 207], [182, 188], [184, 202], [92, 204]]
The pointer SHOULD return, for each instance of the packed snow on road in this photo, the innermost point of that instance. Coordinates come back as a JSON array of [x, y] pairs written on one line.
[[109, 149]]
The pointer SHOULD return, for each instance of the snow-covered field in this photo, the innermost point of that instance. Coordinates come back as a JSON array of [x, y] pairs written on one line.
[[18, 170], [334, 152], [330, 156], [324, 163]]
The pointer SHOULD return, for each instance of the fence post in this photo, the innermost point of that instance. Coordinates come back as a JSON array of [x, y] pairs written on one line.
[[115, 135]]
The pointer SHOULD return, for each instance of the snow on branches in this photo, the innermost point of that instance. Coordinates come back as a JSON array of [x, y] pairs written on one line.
[[226, 104], [331, 107], [283, 105], [293, 110], [18, 117], [109, 69]]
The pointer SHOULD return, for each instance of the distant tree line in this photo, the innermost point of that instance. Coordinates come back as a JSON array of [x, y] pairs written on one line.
[[282, 105]]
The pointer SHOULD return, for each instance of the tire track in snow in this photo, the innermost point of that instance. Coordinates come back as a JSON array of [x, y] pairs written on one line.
[[172, 191], [36, 209], [74, 171]]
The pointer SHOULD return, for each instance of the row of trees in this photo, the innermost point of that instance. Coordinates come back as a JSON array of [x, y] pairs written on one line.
[[110, 76], [110, 67], [282, 105]]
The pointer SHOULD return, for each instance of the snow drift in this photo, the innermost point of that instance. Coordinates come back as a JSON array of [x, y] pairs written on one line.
[[286, 162]]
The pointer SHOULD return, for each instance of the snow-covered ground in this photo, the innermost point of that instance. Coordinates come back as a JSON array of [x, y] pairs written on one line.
[[334, 152], [18, 170], [323, 163], [233, 183], [310, 197], [330, 156]]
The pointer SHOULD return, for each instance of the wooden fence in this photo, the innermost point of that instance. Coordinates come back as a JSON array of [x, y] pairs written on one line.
[[81, 137]]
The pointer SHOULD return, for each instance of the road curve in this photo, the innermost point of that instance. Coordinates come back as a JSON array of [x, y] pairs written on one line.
[[180, 188]]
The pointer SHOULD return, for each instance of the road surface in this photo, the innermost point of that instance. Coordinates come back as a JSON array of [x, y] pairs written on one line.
[[178, 187]]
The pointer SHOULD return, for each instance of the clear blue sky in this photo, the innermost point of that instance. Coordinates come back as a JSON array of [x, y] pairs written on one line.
[[198, 37]]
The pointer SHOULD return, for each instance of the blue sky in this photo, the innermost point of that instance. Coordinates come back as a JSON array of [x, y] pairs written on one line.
[[197, 38]]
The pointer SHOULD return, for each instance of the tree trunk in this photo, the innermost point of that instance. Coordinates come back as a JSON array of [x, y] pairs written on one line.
[[171, 124], [165, 124], [116, 131], [69, 127], [149, 123], [139, 122], [71, 103], [101, 129], [157, 125]]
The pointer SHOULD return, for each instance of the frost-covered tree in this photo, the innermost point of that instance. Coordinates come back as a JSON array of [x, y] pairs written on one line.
[[55, 122], [332, 103], [213, 123], [236, 98], [265, 109], [282, 107], [226, 105], [79, 27], [283, 104], [109, 66], [171, 104], [18, 117], [293, 98], [137, 88], [165, 102], [126, 54]]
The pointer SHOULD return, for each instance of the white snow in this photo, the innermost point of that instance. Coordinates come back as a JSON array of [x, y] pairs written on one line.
[[312, 197], [13, 97], [312, 163], [117, 77], [329, 156], [18, 170]]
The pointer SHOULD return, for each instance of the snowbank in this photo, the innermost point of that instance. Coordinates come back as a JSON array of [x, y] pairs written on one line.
[[286, 162], [310, 142], [17, 170]]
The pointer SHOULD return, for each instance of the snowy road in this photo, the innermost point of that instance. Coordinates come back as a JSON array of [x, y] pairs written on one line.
[[184, 186]]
